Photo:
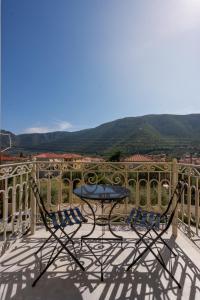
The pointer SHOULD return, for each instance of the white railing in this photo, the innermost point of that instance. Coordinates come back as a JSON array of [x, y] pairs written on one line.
[[189, 210], [150, 185], [15, 204]]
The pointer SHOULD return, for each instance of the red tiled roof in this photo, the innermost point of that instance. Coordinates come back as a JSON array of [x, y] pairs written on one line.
[[71, 155], [56, 155], [9, 158], [91, 159], [138, 157]]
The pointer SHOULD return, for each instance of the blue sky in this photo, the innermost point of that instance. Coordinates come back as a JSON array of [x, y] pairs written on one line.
[[74, 64]]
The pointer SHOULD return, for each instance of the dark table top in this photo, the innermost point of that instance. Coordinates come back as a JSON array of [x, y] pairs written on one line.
[[101, 192]]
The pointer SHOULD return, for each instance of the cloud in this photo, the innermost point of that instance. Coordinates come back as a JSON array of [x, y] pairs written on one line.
[[58, 126], [36, 130], [63, 125]]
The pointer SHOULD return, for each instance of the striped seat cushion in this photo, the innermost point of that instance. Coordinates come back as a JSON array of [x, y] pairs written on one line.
[[67, 217], [143, 218]]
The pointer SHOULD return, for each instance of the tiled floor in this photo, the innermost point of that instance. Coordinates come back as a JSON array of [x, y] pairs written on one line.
[[64, 280]]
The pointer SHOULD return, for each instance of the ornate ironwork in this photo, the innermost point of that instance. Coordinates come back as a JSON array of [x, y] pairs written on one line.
[[150, 186]]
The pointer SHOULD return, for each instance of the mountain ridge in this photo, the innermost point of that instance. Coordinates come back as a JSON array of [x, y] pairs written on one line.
[[154, 132]]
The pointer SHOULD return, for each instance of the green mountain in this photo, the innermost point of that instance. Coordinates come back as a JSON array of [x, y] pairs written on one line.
[[150, 133]]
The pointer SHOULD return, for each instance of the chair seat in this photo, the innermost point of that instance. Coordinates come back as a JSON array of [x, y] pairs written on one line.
[[67, 217], [147, 219]]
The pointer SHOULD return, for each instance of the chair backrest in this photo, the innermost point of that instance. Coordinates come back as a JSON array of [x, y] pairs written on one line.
[[177, 193], [153, 219], [43, 211]]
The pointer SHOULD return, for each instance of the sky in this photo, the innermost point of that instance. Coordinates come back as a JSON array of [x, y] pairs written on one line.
[[74, 64]]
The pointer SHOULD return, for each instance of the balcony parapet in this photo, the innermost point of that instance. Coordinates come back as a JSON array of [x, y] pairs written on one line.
[[150, 185]]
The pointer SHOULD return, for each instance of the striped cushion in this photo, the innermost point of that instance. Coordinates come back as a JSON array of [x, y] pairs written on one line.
[[67, 217], [143, 218]]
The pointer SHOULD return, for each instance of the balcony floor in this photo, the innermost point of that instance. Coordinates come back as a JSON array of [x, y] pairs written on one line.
[[64, 280]]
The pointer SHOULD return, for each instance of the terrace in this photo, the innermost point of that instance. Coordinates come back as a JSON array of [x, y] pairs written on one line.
[[150, 184]]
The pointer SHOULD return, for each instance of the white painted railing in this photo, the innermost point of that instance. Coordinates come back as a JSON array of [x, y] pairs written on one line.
[[189, 210], [150, 185], [15, 201]]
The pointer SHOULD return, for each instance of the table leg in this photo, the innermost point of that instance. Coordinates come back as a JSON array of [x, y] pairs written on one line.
[[94, 223], [109, 221]]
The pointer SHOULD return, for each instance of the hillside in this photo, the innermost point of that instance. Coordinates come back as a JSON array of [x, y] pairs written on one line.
[[144, 134]]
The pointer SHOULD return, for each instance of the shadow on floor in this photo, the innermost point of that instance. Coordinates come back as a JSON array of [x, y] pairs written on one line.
[[64, 280]]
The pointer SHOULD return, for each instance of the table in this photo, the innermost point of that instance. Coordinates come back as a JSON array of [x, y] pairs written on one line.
[[103, 194]]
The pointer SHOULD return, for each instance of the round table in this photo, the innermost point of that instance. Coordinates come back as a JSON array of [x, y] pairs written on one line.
[[103, 194]]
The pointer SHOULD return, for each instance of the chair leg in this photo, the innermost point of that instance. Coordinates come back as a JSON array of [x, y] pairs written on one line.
[[63, 246], [72, 234], [163, 265], [163, 241], [148, 248], [51, 235], [46, 241], [141, 238]]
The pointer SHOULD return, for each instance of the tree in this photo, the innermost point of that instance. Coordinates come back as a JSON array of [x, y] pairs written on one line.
[[21, 154], [115, 156]]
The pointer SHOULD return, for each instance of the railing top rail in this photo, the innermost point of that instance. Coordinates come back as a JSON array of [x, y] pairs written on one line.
[[17, 164], [189, 165], [106, 162], [97, 163]]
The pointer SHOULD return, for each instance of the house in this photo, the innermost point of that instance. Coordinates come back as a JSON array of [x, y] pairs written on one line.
[[138, 158], [10, 159], [57, 157]]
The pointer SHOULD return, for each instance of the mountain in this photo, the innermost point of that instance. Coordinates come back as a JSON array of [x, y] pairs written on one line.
[[150, 133]]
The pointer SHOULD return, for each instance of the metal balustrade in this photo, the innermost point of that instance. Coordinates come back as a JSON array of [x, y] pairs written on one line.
[[150, 184], [15, 202], [189, 210]]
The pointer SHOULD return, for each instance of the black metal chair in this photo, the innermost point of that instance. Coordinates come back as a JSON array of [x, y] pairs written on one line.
[[157, 224], [55, 222]]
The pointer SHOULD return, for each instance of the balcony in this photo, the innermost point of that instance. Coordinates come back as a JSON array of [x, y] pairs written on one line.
[[150, 185]]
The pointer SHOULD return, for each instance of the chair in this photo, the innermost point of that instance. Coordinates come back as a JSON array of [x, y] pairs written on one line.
[[153, 223], [55, 222]]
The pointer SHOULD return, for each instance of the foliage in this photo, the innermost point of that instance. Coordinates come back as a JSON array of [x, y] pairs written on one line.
[[170, 134], [116, 156]]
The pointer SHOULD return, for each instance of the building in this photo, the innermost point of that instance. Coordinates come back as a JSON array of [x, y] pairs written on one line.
[[138, 158], [10, 159], [58, 157]]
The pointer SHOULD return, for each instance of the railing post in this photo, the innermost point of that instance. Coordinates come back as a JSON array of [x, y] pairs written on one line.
[[174, 184], [126, 185], [33, 202], [137, 190], [5, 210], [197, 205], [13, 204]]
